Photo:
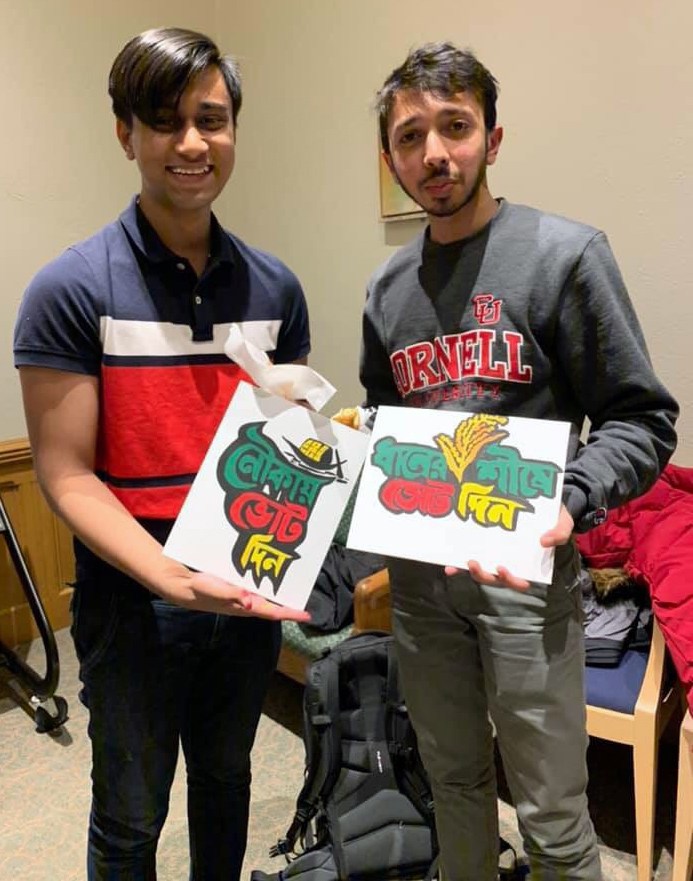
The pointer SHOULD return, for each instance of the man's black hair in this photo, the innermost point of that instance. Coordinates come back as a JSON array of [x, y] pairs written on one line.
[[154, 68], [443, 70]]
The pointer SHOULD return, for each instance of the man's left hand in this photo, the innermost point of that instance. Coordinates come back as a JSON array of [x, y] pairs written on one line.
[[560, 534], [502, 577]]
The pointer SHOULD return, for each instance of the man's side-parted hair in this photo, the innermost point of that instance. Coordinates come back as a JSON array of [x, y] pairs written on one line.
[[443, 70], [153, 70]]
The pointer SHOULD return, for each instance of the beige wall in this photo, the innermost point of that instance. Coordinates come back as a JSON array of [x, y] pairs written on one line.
[[594, 100], [62, 173]]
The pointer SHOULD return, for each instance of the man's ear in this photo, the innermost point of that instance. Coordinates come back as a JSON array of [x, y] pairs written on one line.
[[494, 141], [387, 158], [124, 135]]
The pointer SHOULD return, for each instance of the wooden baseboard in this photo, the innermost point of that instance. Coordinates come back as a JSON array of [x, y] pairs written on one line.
[[17, 626]]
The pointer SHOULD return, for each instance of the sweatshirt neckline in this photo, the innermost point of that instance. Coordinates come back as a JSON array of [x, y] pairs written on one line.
[[447, 247]]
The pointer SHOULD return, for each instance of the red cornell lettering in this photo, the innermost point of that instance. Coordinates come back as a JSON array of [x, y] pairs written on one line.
[[420, 359], [517, 372], [468, 341], [487, 370], [400, 371], [448, 355]]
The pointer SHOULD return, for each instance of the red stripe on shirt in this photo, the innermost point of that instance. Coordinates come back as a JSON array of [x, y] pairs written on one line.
[[159, 503], [142, 405]]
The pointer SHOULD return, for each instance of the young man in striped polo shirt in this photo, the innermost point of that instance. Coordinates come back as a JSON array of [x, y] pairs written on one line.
[[119, 345]]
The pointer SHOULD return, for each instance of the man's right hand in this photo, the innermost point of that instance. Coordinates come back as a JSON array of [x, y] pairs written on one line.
[[213, 594]]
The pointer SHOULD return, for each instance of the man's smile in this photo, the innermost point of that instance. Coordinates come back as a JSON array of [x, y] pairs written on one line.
[[191, 172]]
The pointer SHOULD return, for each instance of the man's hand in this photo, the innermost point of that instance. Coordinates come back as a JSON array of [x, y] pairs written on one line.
[[213, 594], [559, 535], [501, 578]]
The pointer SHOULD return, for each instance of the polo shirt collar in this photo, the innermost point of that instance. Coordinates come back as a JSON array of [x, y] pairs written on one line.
[[145, 238]]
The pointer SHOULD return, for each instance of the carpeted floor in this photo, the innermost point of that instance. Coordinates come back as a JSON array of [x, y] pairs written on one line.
[[44, 781]]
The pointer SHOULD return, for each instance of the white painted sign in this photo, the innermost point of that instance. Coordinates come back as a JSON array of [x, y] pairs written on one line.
[[267, 500], [447, 487]]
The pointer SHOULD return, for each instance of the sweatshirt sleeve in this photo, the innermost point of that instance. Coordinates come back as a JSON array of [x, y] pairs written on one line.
[[603, 353]]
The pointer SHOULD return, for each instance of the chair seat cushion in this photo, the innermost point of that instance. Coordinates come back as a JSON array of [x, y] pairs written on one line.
[[617, 688], [311, 643]]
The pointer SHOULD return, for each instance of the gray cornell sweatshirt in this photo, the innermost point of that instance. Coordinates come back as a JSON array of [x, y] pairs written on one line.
[[528, 317]]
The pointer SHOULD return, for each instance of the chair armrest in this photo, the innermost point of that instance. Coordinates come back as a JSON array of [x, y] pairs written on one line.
[[372, 607], [653, 680]]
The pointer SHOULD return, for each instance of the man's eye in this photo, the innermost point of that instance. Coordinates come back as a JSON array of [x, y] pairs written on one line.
[[459, 126], [408, 138], [164, 123], [213, 123]]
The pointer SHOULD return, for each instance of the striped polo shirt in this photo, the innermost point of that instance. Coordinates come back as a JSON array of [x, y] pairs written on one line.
[[123, 307]]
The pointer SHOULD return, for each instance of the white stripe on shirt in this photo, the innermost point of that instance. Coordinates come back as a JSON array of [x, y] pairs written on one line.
[[121, 338]]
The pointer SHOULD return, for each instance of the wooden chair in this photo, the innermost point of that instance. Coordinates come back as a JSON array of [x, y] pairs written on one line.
[[631, 704], [683, 836], [371, 612]]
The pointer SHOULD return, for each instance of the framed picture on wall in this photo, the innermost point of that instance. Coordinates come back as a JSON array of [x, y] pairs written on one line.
[[394, 202]]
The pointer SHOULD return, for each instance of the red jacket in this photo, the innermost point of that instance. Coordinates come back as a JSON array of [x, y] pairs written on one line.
[[652, 539]]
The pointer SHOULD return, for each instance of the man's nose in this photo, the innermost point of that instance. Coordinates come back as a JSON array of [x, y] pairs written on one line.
[[436, 152], [190, 142]]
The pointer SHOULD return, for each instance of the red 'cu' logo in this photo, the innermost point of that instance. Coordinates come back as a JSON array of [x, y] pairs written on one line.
[[487, 309]]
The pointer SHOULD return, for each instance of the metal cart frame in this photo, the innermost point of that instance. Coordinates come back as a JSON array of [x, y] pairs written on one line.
[[49, 710]]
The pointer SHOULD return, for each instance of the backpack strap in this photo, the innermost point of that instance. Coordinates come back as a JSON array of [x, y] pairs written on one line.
[[406, 761], [509, 872], [432, 873], [366, 680], [402, 742], [321, 718]]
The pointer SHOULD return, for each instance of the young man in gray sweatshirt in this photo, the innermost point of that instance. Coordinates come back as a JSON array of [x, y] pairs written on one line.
[[499, 308]]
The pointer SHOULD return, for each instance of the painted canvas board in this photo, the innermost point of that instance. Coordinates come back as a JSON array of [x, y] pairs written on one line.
[[267, 500], [446, 487]]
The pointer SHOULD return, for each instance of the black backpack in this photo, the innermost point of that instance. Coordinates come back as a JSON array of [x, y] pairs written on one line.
[[365, 812]]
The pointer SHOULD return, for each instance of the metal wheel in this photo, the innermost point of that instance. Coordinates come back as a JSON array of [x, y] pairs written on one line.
[[47, 717]]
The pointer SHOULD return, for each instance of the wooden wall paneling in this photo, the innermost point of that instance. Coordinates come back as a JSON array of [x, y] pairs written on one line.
[[45, 545]]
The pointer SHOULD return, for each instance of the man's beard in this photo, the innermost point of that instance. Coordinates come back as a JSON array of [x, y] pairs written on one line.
[[449, 210]]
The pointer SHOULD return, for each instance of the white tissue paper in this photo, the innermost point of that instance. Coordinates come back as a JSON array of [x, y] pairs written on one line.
[[295, 382]]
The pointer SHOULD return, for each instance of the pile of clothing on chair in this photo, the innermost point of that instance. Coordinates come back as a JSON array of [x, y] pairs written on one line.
[[617, 612], [651, 540]]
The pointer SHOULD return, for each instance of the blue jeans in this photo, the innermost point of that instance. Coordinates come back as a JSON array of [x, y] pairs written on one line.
[[156, 675]]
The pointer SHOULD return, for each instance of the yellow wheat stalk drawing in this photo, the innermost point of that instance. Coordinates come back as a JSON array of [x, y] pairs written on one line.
[[471, 436]]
